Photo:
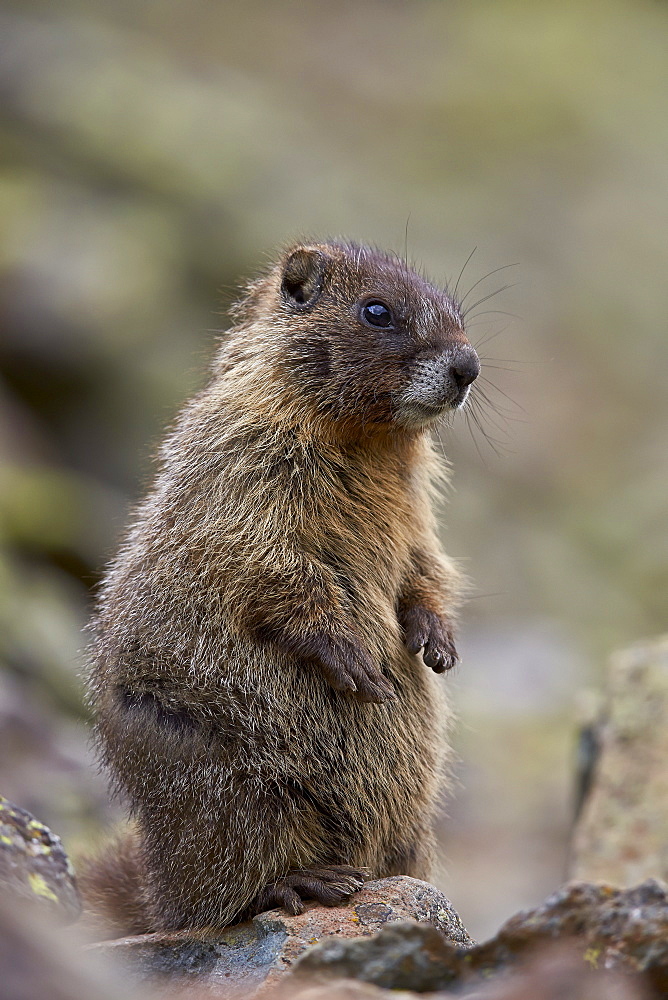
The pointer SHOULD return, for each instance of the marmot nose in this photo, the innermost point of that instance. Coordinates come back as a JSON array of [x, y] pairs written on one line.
[[464, 367]]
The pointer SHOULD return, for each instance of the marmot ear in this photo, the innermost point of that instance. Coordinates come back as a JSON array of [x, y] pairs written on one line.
[[302, 280]]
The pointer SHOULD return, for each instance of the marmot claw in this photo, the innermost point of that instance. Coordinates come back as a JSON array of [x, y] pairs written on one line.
[[425, 630]]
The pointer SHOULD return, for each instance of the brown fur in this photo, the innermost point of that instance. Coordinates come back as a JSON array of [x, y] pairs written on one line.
[[258, 695]]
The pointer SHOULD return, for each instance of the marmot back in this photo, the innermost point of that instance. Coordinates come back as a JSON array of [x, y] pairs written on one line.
[[259, 696]]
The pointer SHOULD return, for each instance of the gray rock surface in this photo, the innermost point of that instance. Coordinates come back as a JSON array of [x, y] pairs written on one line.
[[33, 864]]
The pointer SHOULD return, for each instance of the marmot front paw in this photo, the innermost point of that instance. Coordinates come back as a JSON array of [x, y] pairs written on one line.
[[425, 630], [348, 667]]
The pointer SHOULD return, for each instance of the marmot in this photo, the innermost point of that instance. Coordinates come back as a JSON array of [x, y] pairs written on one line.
[[256, 681]]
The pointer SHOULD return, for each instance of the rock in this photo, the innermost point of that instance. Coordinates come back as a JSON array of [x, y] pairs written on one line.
[[33, 864], [399, 898], [403, 956], [622, 832], [609, 929], [402, 934], [614, 929], [262, 950], [555, 973]]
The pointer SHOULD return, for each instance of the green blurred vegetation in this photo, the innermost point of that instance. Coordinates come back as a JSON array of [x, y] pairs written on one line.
[[153, 153]]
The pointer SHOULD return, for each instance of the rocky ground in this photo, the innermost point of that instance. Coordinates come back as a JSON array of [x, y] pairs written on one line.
[[590, 939]]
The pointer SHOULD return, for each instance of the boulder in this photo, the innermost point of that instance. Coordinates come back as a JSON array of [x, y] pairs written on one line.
[[262, 950]]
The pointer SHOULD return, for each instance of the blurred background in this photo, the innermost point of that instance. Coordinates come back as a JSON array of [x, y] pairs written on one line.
[[155, 153]]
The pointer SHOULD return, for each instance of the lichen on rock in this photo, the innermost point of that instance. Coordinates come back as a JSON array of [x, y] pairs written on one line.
[[34, 865]]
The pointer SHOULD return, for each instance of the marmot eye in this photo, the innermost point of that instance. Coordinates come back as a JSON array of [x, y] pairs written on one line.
[[377, 314]]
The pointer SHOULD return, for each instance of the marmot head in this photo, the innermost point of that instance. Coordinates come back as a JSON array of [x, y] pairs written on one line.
[[364, 339]]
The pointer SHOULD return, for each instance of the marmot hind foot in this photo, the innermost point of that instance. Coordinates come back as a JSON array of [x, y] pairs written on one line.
[[330, 886]]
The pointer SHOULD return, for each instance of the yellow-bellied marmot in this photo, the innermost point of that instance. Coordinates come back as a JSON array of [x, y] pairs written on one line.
[[256, 683]]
